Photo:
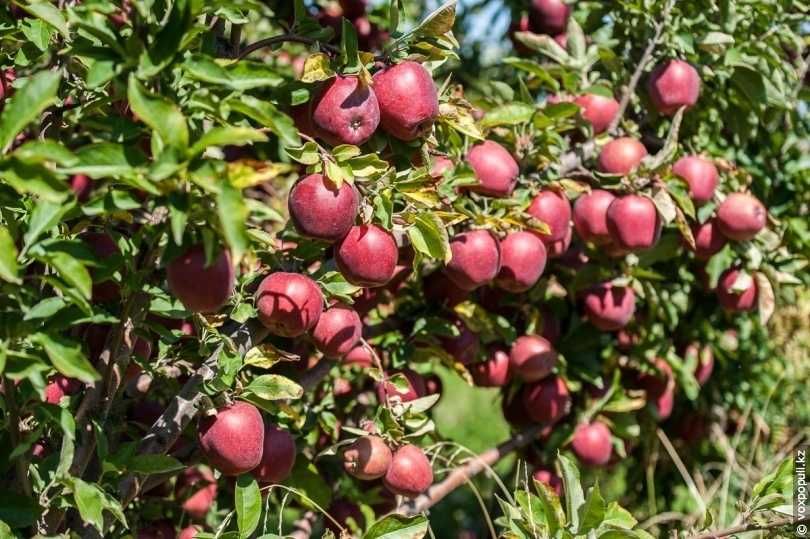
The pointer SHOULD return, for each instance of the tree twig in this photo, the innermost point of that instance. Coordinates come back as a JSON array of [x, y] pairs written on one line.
[[463, 473], [286, 38], [21, 462], [630, 89], [750, 527]]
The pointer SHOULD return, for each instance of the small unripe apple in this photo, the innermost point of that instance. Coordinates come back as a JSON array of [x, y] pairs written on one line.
[[58, 386], [233, 439], [700, 174], [321, 210], [367, 458], [672, 85], [549, 16], [705, 361], [439, 165], [81, 186], [597, 110], [439, 289], [547, 401], [590, 216], [367, 256], [552, 208], [549, 478], [532, 357], [708, 239], [493, 371], [733, 300], [386, 390], [609, 307], [592, 444], [409, 102], [278, 456], [621, 156], [190, 532], [200, 287], [476, 259], [660, 389], [346, 111], [410, 473], [289, 304], [741, 216], [338, 330], [633, 222], [495, 169], [197, 488], [464, 346], [344, 512], [523, 259]]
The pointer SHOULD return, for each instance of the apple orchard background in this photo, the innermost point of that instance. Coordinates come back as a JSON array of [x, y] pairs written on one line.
[[402, 269]]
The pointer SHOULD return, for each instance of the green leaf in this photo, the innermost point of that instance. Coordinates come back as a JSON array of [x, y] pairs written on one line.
[[231, 136], [71, 270], [398, 527], [248, 503], [438, 22], [153, 464], [617, 516], [35, 179], [27, 104], [574, 497], [233, 214], [9, 269], [67, 357], [554, 515], [268, 115], [509, 114], [751, 84], [349, 56], [429, 236], [592, 513], [51, 15], [45, 308], [167, 42], [240, 76], [107, 159], [274, 387], [776, 481], [90, 502], [163, 116], [545, 45], [306, 479], [45, 151], [307, 154], [18, 511]]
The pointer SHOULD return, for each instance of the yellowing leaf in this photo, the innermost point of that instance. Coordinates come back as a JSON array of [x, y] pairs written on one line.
[[317, 68]]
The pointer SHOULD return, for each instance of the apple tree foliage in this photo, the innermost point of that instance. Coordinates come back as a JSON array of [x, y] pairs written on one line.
[[141, 138]]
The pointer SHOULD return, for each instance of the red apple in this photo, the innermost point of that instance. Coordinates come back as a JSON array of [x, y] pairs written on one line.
[[557, 249], [547, 401], [190, 532], [202, 288], [196, 487], [660, 389], [549, 478], [700, 174], [433, 385], [367, 256], [367, 458], [346, 111], [672, 85], [552, 208], [523, 259], [386, 390], [532, 358], [633, 222], [464, 346], [360, 355], [597, 110], [338, 330], [495, 169], [592, 444], [705, 361], [7, 77], [621, 156], [103, 246], [410, 473], [549, 16], [321, 210], [439, 289], [353, 8], [736, 300], [708, 239], [409, 102], [476, 259], [439, 165], [590, 216], [278, 456], [741, 216], [289, 304], [233, 439], [519, 25], [58, 386], [81, 186], [609, 307], [493, 371]]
